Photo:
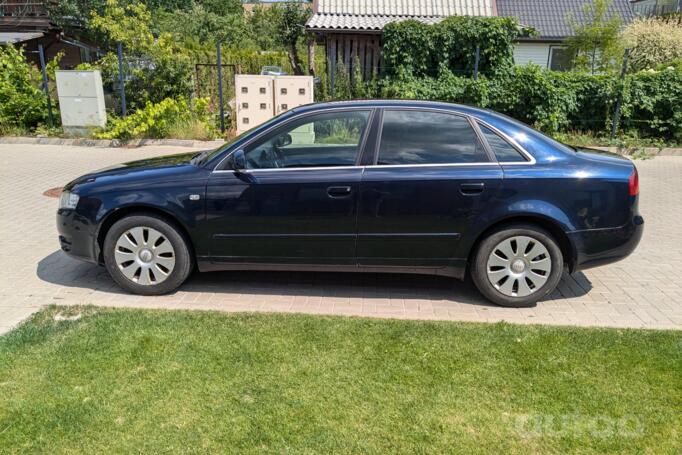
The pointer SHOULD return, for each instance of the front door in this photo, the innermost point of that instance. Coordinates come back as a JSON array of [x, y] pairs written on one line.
[[296, 202], [431, 178]]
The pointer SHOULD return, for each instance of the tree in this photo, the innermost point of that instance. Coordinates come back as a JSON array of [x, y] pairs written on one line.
[[596, 41], [291, 28], [653, 41], [204, 25], [262, 23], [159, 69]]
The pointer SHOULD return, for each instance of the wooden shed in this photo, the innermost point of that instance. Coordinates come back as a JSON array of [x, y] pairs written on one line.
[[351, 29]]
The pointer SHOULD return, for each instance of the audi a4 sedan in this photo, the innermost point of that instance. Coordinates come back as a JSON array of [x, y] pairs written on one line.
[[370, 186]]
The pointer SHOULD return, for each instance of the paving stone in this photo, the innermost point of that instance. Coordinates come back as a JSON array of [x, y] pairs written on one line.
[[641, 291]]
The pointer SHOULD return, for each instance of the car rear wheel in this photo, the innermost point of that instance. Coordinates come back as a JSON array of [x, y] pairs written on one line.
[[147, 255], [517, 265]]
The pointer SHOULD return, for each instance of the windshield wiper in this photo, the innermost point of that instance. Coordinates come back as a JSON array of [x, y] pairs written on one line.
[[198, 159]]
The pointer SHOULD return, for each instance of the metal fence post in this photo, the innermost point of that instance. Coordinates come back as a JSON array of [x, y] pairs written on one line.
[[478, 58], [46, 88], [619, 100], [121, 79], [220, 89]]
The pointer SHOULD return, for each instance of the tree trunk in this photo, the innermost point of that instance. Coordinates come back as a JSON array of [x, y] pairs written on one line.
[[295, 60], [311, 56]]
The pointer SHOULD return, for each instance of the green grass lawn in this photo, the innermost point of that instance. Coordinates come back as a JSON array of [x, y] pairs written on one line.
[[155, 381]]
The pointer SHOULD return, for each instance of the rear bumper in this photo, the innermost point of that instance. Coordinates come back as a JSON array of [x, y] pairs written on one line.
[[77, 236], [595, 247]]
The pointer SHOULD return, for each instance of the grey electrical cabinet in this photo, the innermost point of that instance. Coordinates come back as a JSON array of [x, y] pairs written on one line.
[[81, 100]]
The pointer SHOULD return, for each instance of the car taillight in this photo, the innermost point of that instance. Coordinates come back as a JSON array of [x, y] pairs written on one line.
[[634, 183]]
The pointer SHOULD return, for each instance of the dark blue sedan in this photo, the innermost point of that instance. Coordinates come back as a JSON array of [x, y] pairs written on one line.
[[371, 186]]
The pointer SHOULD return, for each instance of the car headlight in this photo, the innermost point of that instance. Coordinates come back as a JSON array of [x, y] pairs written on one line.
[[68, 200]]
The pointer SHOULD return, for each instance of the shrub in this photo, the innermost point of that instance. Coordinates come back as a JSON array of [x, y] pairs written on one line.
[[558, 101], [169, 118], [653, 103], [22, 103], [411, 48], [653, 41]]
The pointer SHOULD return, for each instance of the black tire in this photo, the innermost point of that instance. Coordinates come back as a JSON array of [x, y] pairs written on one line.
[[183, 257], [480, 260]]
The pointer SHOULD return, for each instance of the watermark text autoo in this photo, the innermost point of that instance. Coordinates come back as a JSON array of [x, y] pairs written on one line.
[[577, 425]]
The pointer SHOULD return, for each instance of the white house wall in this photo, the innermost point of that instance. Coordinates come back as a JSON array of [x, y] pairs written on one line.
[[537, 53]]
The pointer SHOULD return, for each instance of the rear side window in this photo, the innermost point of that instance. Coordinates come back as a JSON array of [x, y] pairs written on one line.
[[424, 137], [504, 151]]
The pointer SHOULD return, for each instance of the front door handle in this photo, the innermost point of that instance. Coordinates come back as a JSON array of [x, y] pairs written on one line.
[[470, 189], [338, 191]]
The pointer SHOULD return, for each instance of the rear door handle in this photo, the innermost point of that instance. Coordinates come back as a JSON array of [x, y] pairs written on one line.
[[470, 189], [338, 191]]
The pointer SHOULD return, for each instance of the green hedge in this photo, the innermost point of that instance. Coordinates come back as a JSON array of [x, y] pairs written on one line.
[[562, 101], [412, 48]]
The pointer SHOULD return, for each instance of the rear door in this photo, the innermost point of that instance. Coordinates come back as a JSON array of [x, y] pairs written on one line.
[[431, 178]]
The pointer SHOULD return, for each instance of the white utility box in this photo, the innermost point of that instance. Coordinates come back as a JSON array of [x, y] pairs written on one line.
[[254, 100], [81, 101], [292, 91], [261, 97]]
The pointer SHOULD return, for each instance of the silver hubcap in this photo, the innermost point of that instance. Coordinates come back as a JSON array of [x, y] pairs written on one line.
[[519, 266], [144, 256]]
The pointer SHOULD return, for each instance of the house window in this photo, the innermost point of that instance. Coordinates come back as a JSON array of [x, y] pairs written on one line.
[[263, 106], [301, 91], [262, 90], [245, 105], [560, 59], [245, 120], [245, 90], [283, 91]]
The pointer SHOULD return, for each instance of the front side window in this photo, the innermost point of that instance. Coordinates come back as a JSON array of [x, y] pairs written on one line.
[[503, 150], [322, 140], [424, 137]]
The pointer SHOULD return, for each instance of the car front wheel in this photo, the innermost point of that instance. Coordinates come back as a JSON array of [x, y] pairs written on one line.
[[517, 265], [147, 255]]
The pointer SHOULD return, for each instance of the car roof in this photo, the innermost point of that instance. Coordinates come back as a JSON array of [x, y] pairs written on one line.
[[389, 103]]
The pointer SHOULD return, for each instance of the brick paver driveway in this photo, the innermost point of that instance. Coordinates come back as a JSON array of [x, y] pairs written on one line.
[[642, 291]]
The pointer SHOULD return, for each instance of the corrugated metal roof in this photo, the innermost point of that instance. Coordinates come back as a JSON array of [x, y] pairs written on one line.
[[442, 8], [551, 19], [375, 14], [348, 22], [18, 37]]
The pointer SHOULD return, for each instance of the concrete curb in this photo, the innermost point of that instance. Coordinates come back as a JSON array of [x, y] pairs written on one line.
[[133, 143], [104, 143], [667, 151]]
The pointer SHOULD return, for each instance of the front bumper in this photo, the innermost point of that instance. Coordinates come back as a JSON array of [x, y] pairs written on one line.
[[595, 247], [77, 236]]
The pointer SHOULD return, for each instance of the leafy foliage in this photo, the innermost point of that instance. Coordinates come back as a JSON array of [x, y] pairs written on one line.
[[22, 103], [156, 66], [206, 23], [562, 101], [289, 29], [653, 41], [596, 42], [158, 120], [414, 49]]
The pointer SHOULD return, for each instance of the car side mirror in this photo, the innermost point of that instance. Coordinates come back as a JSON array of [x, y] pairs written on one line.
[[238, 161], [283, 140]]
